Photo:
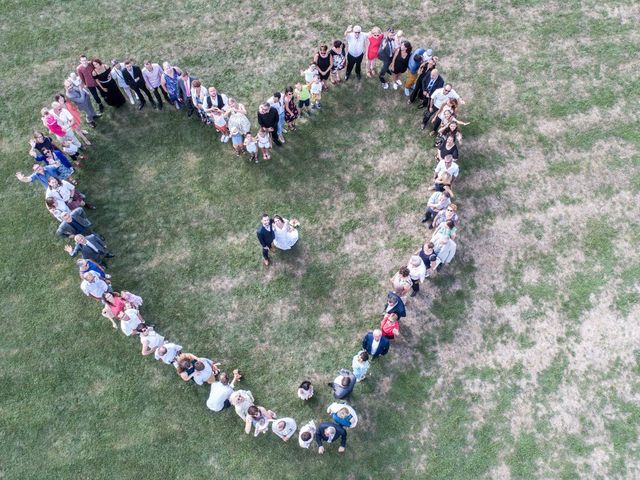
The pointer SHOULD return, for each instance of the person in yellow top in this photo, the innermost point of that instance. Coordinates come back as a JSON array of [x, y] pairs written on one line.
[[303, 95]]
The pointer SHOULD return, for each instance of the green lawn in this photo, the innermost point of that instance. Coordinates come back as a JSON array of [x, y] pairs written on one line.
[[521, 361]]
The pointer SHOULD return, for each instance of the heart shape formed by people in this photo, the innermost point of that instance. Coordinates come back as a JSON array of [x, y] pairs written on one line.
[[315, 271]]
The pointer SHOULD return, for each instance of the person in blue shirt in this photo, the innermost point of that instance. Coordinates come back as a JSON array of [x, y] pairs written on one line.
[[40, 174]]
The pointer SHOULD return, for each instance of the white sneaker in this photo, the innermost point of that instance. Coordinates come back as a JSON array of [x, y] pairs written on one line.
[[225, 138], [222, 139], [398, 82], [385, 86], [133, 102], [395, 86]]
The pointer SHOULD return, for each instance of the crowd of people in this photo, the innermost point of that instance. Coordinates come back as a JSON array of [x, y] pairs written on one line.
[[58, 150]]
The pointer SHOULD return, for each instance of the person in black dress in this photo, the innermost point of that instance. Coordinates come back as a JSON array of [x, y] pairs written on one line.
[[107, 86], [324, 62], [400, 63]]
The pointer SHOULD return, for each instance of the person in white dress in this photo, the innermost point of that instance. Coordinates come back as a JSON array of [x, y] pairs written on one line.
[[285, 231]]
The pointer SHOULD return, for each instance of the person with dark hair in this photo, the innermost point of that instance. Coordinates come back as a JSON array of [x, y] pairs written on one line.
[[430, 83], [324, 61], [277, 102], [343, 384], [268, 118], [81, 100], [360, 365], [401, 282], [338, 61], [305, 390], [152, 75], [133, 77], [427, 255], [327, 432], [85, 73], [385, 54], [107, 86], [291, 113], [400, 63], [306, 434], [221, 390], [266, 236], [258, 417], [389, 326], [73, 223], [185, 87]]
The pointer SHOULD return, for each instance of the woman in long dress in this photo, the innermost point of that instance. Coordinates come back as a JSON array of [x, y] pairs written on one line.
[[169, 81], [285, 231], [107, 86]]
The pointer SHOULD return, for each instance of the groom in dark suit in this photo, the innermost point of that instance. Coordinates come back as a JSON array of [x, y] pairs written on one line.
[[265, 237], [133, 77]]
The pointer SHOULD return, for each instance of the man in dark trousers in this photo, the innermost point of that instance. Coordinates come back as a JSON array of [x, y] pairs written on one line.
[[74, 223], [132, 75], [266, 236], [375, 344], [327, 432], [184, 91], [385, 55], [429, 85], [343, 384], [268, 118], [84, 71], [92, 247]]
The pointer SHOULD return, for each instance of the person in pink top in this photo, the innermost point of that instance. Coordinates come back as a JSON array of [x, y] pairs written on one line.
[[84, 71]]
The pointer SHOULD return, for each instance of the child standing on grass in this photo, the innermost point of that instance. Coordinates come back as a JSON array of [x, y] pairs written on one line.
[[309, 73], [316, 92], [264, 142], [303, 95], [251, 145], [220, 122], [237, 141]]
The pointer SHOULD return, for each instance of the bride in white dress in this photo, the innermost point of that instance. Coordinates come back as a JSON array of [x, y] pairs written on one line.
[[285, 231]]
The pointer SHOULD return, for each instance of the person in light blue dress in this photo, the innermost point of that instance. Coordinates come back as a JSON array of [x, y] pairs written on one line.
[[360, 365], [170, 77]]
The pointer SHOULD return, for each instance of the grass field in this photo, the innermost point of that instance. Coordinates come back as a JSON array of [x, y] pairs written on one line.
[[520, 362]]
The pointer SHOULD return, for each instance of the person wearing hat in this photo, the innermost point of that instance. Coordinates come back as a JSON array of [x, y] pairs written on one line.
[[356, 42], [385, 54]]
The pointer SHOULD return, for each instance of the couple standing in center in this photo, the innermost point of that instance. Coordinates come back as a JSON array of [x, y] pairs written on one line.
[[276, 232]]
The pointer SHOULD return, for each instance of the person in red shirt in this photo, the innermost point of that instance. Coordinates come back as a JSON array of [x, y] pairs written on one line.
[[390, 326], [84, 71]]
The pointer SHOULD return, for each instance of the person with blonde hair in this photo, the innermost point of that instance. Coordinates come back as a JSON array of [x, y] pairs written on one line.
[[374, 38]]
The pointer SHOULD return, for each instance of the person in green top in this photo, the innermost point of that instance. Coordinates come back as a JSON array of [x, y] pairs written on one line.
[[303, 94]]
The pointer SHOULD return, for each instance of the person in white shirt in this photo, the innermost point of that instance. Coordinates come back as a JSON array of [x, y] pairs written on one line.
[[241, 400], [116, 74], [221, 391], [356, 46], [276, 102], [93, 286], [441, 95], [65, 120], [152, 75], [284, 427], [168, 352], [445, 251], [205, 371], [130, 321], [149, 338], [417, 273], [306, 434], [446, 165]]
